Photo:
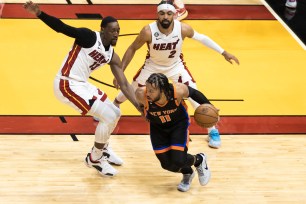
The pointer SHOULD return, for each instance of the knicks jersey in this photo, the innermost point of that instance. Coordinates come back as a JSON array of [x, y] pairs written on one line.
[[80, 61], [164, 50], [168, 114]]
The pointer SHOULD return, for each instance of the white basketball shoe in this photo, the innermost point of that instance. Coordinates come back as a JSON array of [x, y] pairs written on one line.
[[186, 182], [203, 171], [101, 165], [111, 156]]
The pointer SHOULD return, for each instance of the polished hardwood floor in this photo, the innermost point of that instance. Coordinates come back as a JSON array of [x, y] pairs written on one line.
[[247, 169]]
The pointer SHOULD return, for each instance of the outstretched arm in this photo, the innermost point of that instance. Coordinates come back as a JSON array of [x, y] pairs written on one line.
[[84, 37], [126, 88], [187, 31]]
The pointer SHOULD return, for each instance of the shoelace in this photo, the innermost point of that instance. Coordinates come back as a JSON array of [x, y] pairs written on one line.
[[214, 135]]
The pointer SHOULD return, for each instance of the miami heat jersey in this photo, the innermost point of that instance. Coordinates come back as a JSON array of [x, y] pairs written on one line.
[[164, 50], [168, 114], [80, 61]]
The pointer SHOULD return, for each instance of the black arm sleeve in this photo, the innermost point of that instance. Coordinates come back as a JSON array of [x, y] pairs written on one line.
[[197, 96], [84, 37]]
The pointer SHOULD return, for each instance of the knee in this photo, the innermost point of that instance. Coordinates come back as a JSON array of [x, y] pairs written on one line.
[[170, 167], [180, 163]]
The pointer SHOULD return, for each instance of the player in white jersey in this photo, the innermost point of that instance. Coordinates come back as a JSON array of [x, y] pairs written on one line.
[[90, 51], [165, 38]]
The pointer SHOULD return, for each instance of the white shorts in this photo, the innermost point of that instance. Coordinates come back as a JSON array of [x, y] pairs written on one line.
[[77, 94], [178, 74]]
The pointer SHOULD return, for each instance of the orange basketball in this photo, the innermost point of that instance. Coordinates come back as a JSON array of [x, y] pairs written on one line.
[[206, 115]]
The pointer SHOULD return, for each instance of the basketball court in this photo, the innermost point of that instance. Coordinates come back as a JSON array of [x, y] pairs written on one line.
[[262, 102]]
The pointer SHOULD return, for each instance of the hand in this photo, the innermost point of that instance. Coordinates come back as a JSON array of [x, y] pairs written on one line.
[[228, 57], [115, 82], [32, 8]]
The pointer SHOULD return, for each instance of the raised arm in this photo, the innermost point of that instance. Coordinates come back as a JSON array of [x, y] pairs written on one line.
[[126, 88], [84, 37], [188, 31], [143, 37]]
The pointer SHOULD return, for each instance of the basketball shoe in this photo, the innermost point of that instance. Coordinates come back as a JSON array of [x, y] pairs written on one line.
[[111, 156], [186, 182], [203, 171], [214, 139], [291, 3], [181, 13], [101, 165]]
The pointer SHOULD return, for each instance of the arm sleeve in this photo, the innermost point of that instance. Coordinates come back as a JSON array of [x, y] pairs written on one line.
[[197, 96], [84, 37], [205, 40]]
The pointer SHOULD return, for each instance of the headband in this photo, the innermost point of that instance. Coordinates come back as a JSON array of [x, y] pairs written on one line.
[[168, 7]]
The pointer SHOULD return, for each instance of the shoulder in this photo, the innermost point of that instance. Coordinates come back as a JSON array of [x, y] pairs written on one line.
[[187, 30], [181, 90], [146, 30]]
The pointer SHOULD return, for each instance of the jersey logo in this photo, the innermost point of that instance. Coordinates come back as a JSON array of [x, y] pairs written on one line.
[[98, 57], [165, 46]]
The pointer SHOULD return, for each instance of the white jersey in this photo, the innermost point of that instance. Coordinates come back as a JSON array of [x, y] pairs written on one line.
[[80, 62], [164, 50]]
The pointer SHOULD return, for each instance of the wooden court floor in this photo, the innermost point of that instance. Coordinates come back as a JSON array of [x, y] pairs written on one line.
[[254, 168], [247, 169]]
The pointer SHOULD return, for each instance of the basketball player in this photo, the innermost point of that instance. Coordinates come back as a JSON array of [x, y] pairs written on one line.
[[167, 112], [164, 38], [90, 51]]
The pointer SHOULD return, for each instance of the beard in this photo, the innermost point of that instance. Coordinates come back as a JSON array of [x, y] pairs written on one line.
[[165, 23], [154, 100]]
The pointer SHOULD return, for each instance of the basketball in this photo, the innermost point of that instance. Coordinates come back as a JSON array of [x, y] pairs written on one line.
[[206, 115]]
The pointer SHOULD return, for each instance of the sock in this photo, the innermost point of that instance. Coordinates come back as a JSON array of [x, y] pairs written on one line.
[[198, 161], [96, 153], [211, 128]]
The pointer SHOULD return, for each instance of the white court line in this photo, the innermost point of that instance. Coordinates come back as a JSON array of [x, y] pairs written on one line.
[[284, 24]]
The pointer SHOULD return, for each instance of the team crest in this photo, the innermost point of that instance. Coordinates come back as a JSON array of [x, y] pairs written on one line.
[[156, 34]]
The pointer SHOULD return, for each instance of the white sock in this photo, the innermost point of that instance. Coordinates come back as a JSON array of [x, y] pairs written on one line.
[[211, 128], [96, 153]]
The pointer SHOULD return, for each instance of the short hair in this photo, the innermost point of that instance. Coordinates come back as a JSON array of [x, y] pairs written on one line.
[[161, 81], [166, 2], [107, 20]]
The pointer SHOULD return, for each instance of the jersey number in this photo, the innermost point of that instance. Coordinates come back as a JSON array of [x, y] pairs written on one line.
[[165, 118], [94, 65], [172, 53]]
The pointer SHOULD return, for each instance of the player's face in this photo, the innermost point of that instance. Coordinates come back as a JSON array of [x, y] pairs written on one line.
[[111, 33], [165, 18], [153, 93]]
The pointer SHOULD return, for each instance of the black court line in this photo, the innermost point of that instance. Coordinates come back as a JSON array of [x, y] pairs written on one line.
[[74, 138], [89, 2], [62, 118], [68, 2]]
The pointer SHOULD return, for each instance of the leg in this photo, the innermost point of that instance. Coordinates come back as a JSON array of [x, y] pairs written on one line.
[[86, 98]]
